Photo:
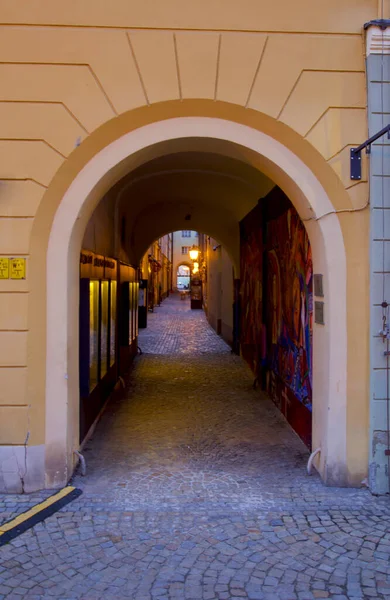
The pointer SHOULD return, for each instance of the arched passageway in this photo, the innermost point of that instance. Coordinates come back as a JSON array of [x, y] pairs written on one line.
[[183, 277], [190, 430], [122, 124], [265, 161]]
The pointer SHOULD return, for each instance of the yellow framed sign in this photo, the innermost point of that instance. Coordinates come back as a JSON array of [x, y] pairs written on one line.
[[4, 268], [17, 268]]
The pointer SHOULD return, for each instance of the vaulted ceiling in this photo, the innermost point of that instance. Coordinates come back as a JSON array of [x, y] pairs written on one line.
[[202, 184], [197, 189]]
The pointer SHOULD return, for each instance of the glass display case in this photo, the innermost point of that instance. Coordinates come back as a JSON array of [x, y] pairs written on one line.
[[131, 312], [104, 345], [112, 321], [98, 330], [136, 300], [93, 334]]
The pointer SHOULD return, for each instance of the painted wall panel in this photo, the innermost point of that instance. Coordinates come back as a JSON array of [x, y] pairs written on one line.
[[337, 128], [32, 159], [155, 55], [239, 60], [15, 236], [13, 349], [20, 198], [51, 122], [13, 385], [316, 91], [74, 85], [105, 53], [300, 57], [277, 307], [13, 424], [13, 311], [197, 60]]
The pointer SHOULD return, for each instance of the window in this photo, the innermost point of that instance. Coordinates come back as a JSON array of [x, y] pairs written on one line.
[[185, 249], [186, 233]]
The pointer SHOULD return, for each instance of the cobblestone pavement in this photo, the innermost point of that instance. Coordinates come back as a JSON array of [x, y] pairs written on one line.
[[196, 489], [174, 328]]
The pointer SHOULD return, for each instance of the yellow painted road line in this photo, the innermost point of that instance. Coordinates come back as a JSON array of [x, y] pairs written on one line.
[[37, 513], [35, 509]]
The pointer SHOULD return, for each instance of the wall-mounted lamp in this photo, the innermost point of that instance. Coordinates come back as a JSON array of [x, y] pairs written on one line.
[[194, 253]]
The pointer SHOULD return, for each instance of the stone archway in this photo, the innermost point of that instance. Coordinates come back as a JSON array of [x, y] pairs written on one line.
[[186, 273], [310, 194]]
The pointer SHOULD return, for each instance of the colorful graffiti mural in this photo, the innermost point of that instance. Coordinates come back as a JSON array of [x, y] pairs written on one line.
[[251, 292], [277, 306], [289, 304]]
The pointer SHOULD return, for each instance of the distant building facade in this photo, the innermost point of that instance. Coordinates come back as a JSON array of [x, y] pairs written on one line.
[[156, 267], [183, 241]]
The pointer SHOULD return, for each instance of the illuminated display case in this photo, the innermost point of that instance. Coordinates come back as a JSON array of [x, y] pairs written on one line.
[[128, 314], [93, 334], [104, 328], [136, 299], [131, 311], [98, 364], [134, 316], [108, 318], [112, 321]]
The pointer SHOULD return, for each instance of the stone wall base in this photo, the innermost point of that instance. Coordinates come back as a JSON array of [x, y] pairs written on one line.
[[22, 469]]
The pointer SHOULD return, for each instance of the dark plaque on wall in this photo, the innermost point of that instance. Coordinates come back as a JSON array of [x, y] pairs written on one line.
[[319, 312], [318, 286]]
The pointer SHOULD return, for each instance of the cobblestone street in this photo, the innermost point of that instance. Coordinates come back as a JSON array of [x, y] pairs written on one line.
[[196, 488], [174, 328]]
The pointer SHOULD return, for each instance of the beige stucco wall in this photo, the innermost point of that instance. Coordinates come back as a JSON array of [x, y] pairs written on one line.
[[227, 297], [214, 285], [100, 234], [159, 250], [82, 72], [219, 288]]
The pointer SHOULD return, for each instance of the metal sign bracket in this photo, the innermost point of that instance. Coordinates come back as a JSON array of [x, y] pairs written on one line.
[[355, 153]]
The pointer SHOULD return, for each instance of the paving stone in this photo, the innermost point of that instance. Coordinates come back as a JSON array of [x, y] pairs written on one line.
[[196, 489]]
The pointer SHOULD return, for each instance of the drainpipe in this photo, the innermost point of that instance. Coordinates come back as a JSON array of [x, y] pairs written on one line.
[[310, 461], [83, 464]]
